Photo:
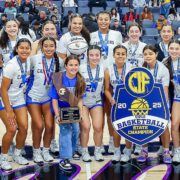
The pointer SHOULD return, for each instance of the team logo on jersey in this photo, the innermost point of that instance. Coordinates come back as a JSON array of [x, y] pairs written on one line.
[[141, 112]]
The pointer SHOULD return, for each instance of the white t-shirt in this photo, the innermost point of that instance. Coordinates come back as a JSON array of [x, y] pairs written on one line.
[[114, 39], [12, 71], [135, 53]]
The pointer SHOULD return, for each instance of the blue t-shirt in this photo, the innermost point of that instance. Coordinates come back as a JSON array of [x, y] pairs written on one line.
[[70, 84]]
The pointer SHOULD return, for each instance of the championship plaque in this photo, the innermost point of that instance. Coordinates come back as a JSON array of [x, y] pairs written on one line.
[[69, 115], [141, 112]]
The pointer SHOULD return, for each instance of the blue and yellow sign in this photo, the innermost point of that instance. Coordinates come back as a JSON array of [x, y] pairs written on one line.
[[141, 112]]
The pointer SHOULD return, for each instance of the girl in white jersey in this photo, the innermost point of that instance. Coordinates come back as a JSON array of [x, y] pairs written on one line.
[[76, 28], [14, 112], [173, 64], [48, 30], [115, 75], [106, 39], [134, 45], [38, 101], [93, 73], [166, 34], [134, 53], [161, 75], [8, 40]]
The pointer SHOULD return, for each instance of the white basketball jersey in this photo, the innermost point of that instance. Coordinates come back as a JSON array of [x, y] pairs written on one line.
[[37, 87], [114, 39], [135, 53], [12, 71], [92, 96], [113, 80]]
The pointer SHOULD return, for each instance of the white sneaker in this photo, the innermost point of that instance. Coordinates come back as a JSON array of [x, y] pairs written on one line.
[[98, 155], [23, 152], [20, 160], [46, 156], [85, 156], [111, 146], [11, 149], [125, 158], [138, 149], [54, 148], [176, 157], [116, 157], [102, 149], [37, 157], [160, 151], [5, 165]]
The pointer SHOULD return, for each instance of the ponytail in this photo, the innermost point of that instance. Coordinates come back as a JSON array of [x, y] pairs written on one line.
[[80, 86], [56, 62]]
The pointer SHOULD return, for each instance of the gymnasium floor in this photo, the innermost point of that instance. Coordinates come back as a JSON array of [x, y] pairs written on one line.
[[152, 170]]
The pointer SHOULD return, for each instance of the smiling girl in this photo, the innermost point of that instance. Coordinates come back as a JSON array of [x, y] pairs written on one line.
[[71, 81], [14, 112], [173, 64], [38, 101], [93, 72]]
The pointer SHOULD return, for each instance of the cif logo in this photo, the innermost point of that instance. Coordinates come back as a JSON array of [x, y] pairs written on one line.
[[139, 82]]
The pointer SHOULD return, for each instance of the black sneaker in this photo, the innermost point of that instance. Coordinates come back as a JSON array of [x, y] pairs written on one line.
[[65, 165], [76, 156]]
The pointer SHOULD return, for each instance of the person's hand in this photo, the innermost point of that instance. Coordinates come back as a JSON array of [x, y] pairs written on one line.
[[113, 102], [11, 117], [58, 119]]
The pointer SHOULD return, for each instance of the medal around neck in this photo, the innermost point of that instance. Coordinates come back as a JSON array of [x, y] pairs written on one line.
[[141, 113]]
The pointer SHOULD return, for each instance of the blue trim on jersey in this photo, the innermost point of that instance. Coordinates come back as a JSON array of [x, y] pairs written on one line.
[[176, 99], [96, 106], [20, 106], [30, 82], [1, 106], [39, 103]]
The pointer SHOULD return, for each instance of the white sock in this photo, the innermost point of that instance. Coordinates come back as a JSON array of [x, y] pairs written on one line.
[[17, 152], [117, 149], [45, 149], [84, 149], [97, 148], [111, 139], [4, 155]]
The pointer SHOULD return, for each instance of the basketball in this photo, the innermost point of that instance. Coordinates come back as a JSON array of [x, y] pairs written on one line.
[[139, 104], [77, 45]]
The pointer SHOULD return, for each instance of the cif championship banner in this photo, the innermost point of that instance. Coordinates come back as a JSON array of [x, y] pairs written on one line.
[[141, 112]]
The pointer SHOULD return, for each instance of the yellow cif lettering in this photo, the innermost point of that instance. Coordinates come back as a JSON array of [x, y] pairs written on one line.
[[142, 81]]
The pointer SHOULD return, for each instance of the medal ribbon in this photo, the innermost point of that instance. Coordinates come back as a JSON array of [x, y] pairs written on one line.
[[119, 77], [164, 49], [47, 71], [23, 72], [176, 74], [104, 42], [155, 71]]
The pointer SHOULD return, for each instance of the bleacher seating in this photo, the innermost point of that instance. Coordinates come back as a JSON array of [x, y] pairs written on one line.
[[153, 32], [147, 23], [96, 10], [66, 9], [83, 10], [111, 4], [83, 3]]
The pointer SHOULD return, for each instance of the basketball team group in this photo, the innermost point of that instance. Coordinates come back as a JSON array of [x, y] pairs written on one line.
[[36, 75]]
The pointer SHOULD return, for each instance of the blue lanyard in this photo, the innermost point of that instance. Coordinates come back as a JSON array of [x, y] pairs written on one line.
[[176, 74], [155, 71], [130, 51], [96, 79], [11, 48], [164, 49], [104, 43], [23, 72], [47, 71], [119, 79]]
